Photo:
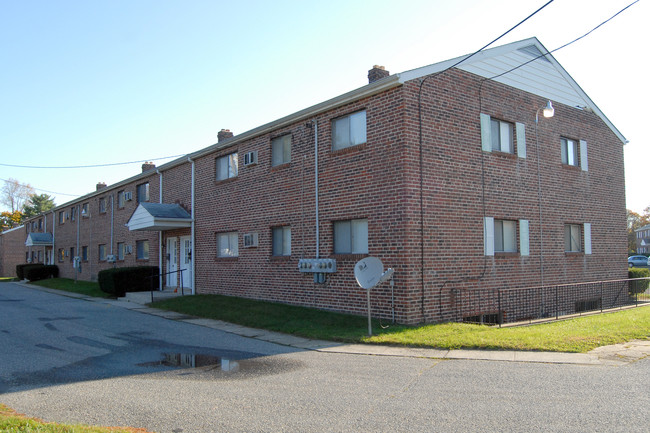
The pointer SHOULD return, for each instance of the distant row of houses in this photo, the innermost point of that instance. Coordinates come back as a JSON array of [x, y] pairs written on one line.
[[455, 180]]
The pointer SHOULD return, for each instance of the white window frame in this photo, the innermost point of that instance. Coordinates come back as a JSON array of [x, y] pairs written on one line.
[[228, 244], [142, 249], [281, 150], [505, 236], [572, 238], [487, 139], [569, 151], [350, 130], [142, 189], [227, 166], [502, 137], [351, 236], [490, 244], [281, 241]]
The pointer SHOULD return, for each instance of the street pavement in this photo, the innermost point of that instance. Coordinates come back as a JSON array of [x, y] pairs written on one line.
[[68, 358]]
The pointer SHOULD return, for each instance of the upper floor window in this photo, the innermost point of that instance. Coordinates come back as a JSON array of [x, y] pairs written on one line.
[[281, 150], [572, 238], [120, 199], [281, 241], [61, 217], [143, 192], [569, 152], [227, 166], [501, 136], [349, 130], [40, 224], [84, 210], [102, 205], [73, 213], [351, 236], [227, 244]]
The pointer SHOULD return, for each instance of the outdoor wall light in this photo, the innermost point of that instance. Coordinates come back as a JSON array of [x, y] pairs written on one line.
[[547, 111]]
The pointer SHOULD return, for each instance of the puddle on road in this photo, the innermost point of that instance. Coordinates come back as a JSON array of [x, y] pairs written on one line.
[[191, 364]]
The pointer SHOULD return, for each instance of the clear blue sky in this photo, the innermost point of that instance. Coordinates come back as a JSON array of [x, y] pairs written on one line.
[[94, 82]]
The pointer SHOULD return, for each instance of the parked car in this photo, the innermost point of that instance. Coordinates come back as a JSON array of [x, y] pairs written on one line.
[[633, 261]]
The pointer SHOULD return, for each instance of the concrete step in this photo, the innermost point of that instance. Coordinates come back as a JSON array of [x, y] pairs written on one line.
[[145, 297]]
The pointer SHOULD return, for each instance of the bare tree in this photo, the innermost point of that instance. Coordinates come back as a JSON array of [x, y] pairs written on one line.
[[15, 194]]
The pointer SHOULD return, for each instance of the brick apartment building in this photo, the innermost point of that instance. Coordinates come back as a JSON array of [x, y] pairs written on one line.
[[453, 177]]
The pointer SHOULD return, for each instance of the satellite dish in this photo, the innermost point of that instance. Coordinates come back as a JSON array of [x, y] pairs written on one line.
[[368, 272]]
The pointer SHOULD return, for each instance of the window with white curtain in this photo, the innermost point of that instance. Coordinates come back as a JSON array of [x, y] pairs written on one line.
[[281, 241], [227, 166], [227, 244], [349, 130]]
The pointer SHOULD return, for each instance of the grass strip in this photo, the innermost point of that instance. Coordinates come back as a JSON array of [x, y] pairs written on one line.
[[11, 421], [88, 288], [576, 335]]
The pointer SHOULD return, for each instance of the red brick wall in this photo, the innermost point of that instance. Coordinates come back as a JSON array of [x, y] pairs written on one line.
[[12, 250]]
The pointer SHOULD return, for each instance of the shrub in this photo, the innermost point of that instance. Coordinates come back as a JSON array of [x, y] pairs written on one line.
[[20, 269], [118, 281], [638, 286], [41, 272]]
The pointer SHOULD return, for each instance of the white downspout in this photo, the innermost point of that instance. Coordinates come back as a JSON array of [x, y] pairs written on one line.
[[193, 234], [316, 186], [160, 242]]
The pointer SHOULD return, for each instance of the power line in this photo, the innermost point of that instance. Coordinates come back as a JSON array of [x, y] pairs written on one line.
[[51, 192], [90, 166]]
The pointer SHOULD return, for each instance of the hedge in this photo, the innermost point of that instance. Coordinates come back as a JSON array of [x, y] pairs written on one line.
[[118, 281], [638, 286], [36, 271]]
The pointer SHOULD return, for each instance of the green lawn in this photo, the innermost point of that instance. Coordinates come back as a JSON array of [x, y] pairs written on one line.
[[10, 421], [6, 279], [82, 287], [575, 335]]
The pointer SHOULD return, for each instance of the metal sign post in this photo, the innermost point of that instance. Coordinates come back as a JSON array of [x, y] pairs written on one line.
[[369, 272]]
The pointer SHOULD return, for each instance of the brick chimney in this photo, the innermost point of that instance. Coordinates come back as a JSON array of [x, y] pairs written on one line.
[[148, 166], [224, 134], [377, 73], [100, 185]]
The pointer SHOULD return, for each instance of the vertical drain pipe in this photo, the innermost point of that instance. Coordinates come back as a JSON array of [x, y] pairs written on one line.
[[316, 186], [160, 242], [193, 233]]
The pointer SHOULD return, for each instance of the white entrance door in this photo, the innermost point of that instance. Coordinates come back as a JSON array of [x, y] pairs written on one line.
[[172, 262], [186, 260]]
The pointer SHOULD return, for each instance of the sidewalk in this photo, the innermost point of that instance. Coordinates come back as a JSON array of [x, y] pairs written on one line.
[[615, 355]]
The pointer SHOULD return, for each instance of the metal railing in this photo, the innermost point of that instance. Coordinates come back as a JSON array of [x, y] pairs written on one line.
[[509, 305], [162, 275]]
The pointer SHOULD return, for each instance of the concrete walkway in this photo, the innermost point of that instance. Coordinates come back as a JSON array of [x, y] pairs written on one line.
[[615, 355]]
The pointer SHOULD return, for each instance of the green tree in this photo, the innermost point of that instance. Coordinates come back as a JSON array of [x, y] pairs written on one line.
[[38, 204]]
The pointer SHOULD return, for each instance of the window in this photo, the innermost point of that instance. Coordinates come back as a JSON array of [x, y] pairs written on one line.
[[120, 251], [84, 254], [142, 250], [505, 236], [500, 236], [569, 152], [102, 252], [501, 136], [120, 199], [227, 244], [351, 237], [143, 192], [40, 224], [227, 166], [102, 205], [281, 241], [572, 238], [349, 130], [61, 217], [73, 213], [71, 254], [281, 150], [84, 210], [61, 254]]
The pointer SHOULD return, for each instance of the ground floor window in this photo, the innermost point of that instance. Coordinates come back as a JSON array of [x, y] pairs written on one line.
[[227, 244], [351, 236], [282, 241], [142, 250]]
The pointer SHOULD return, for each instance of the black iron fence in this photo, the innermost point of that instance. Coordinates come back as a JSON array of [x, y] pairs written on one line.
[[500, 306]]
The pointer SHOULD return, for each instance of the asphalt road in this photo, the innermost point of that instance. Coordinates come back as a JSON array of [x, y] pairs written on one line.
[[70, 360]]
